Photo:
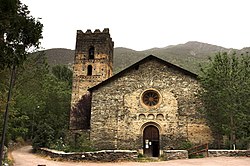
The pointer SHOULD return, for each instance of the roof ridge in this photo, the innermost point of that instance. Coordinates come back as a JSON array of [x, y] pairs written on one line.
[[141, 61]]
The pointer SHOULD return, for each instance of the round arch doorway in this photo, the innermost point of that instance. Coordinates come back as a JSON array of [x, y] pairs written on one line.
[[151, 141]]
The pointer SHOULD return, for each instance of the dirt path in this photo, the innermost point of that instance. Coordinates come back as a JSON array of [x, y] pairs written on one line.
[[24, 157]]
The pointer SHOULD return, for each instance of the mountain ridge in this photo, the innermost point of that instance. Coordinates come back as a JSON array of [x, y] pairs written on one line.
[[189, 55]]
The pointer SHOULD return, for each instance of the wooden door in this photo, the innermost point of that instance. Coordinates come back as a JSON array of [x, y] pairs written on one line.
[[151, 141]]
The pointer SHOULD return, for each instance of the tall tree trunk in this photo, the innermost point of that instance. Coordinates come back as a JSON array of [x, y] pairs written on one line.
[[6, 113], [232, 131]]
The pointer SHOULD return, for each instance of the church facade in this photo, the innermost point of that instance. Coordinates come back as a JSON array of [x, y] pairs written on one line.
[[150, 106]]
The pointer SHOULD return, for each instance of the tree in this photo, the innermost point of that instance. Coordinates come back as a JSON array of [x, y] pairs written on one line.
[[40, 105], [54, 112], [63, 73], [18, 33], [226, 95], [28, 98]]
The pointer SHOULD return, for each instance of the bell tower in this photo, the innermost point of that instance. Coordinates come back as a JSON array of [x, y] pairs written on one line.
[[93, 61], [93, 64]]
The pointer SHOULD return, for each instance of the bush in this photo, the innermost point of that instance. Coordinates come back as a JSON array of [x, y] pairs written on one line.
[[140, 155], [185, 145], [243, 143], [58, 145], [196, 156], [20, 141], [43, 136], [77, 142]]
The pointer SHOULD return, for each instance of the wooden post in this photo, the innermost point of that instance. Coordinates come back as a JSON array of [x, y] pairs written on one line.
[[207, 149]]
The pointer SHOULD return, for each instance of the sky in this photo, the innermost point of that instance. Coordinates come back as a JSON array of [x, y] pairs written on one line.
[[145, 24]]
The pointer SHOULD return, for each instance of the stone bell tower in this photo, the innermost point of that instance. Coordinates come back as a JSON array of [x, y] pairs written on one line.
[[93, 62]]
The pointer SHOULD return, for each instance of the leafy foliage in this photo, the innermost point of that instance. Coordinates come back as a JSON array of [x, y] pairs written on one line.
[[226, 96], [186, 145], [44, 136], [40, 105], [77, 142], [41, 100], [62, 73], [19, 32]]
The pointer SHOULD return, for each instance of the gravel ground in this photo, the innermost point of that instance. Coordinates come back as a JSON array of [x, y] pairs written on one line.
[[24, 157]]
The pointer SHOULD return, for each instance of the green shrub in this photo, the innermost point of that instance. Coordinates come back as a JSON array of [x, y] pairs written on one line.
[[43, 136], [80, 143], [20, 141], [185, 145], [77, 142], [140, 155], [58, 145], [196, 156], [243, 143]]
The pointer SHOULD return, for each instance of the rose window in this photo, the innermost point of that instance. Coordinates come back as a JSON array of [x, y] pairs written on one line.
[[150, 98]]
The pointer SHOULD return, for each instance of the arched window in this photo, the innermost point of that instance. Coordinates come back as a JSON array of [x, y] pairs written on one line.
[[89, 71], [91, 52]]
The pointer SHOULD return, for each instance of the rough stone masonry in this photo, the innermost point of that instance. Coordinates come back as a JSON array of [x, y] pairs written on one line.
[[150, 106]]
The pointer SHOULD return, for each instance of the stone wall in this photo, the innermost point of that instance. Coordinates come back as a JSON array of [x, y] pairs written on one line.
[[5, 153], [175, 154], [120, 155], [104, 155], [118, 116], [228, 153]]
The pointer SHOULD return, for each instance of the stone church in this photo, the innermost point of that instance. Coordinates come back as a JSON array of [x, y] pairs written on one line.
[[150, 106]]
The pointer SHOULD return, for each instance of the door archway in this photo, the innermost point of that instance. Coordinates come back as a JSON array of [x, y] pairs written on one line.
[[151, 141]]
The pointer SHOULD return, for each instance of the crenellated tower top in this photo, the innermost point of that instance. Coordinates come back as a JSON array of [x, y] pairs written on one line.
[[100, 40], [93, 61], [105, 30]]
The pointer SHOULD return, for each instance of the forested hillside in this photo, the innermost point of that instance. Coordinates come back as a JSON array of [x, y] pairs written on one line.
[[189, 55]]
